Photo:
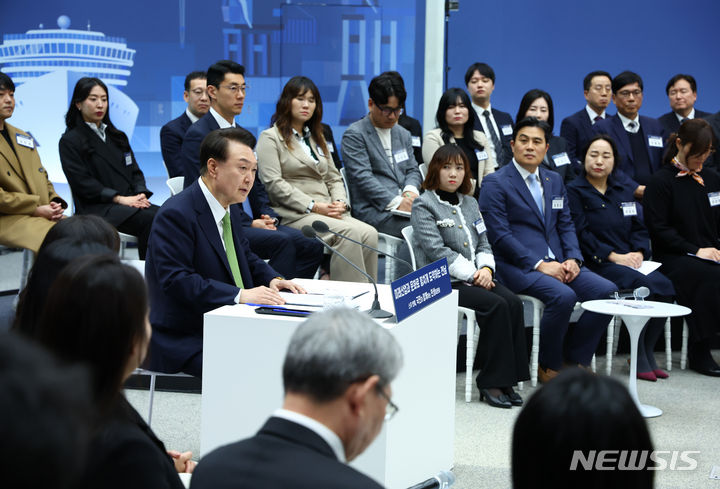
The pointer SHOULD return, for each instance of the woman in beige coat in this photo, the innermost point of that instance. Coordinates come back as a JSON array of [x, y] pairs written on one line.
[[304, 186]]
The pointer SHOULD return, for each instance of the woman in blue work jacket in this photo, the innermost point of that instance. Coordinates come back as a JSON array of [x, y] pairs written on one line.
[[614, 240]]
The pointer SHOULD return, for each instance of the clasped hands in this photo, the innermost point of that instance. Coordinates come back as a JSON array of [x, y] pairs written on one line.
[[139, 201], [52, 211], [564, 272], [334, 209]]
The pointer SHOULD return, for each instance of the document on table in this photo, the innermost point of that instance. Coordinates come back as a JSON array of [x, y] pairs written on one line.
[[648, 266], [318, 300]]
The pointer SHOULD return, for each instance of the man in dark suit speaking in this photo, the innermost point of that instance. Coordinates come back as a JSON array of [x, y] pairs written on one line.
[[198, 257], [536, 250], [337, 374]]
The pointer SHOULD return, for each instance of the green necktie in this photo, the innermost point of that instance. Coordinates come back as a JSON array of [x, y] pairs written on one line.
[[230, 251]]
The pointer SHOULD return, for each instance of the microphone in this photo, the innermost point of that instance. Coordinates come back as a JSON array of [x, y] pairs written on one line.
[[443, 480], [375, 311], [322, 227]]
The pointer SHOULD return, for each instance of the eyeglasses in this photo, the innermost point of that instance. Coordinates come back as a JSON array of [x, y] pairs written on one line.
[[391, 409], [386, 111], [234, 89], [626, 93]]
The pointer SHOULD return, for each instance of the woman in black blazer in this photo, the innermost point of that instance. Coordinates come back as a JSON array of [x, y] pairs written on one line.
[[96, 314], [100, 166], [538, 103]]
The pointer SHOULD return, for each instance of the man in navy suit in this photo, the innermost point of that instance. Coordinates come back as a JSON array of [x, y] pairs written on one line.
[[640, 139], [172, 133], [198, 256], [337, 376], [289, 252], [496, 124], [682, 94], [577, 128], [536, 250]]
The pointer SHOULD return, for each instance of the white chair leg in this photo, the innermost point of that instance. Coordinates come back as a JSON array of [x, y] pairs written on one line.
[[683, 351], [668, 346], [593, 364], [616, 337], [521, 385], [609, 351], [470, 350], [535, 350], [153, 376]]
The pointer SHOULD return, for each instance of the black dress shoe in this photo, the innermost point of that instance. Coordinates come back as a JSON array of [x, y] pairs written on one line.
[[500, 401], [710, 371], [512, 396]]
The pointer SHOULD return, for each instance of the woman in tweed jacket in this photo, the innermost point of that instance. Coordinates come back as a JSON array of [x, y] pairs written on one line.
[[447, 224]]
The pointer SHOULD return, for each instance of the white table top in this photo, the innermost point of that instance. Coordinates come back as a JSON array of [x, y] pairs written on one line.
[[652, 309]]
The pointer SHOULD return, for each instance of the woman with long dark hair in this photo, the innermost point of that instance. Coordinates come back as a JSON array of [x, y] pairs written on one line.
[[613, 239], [96, 315], [100, 166], [682, 213], [303, 184], [455, 117], [447, 224], [538, 103]]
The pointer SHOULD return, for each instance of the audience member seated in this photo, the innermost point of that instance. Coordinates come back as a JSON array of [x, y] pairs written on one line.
[[536, 250], [614, 240], [286, 249], [96, 315], [100, 166], [682, 94], [682, 213], [337, 375], [51, 258], [198, 256], [29, 205], [172, 133], [640, 139], [45, 410], [538, 103], [567, 425], [577, 128], [303, 184], [496, 124], [454, 118], [447, 224], [411, 124]]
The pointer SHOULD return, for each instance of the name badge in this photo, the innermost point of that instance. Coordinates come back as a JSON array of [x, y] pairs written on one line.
[[557, 202], [561, 159], [320, 151], [629, 209], [480, 226], [26, 141], [128, 159], [330, 147], [416, 141], [655, 141], [481, 155], [714, 198], [401, 156], [506, 130]]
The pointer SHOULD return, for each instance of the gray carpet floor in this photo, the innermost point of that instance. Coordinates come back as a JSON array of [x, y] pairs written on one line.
[[691, 418]]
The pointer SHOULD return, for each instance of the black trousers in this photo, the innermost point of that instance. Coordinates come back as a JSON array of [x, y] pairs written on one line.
[[139, 225], [501, 345], [289, 253]]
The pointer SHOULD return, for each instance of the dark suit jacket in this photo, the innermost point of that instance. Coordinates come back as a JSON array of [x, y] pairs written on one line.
[[671, 123], [171, 138], [188, 274], [413, 125], [281, 455], [126, 453], [97, 171], [649, 127], [501, 119], [557, 152], [190, 157], [577, 130], [518, 232]]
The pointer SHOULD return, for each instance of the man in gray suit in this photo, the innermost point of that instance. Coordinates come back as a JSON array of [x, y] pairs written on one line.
[[382, 173]]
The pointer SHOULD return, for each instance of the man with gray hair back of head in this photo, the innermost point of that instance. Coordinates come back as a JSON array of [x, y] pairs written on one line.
[[337, 375]]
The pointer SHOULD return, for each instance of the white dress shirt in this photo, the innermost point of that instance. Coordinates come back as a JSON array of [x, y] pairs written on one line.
[[691, 115], [592, 114], [524, 174], [626, 123], [221, 120], [193, 118], [316, 427], [100, 131]]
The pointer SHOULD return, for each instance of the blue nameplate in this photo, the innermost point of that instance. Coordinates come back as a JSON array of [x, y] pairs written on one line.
[[421, 288]]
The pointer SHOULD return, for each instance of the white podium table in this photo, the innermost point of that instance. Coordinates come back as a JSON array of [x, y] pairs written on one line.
[[635, 314], [243, 354]]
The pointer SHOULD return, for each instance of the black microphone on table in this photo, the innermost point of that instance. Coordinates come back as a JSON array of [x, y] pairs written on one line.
[[375, 311], [322, 227], [443, 480]]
